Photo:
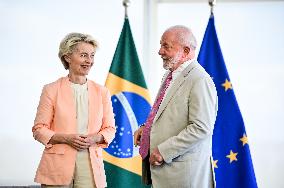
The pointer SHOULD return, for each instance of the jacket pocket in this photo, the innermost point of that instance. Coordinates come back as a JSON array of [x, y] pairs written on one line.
[[53, 160], [187, 156], [55, 149]]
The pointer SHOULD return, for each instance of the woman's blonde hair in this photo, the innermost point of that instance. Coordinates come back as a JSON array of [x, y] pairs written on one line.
[[70, 41]]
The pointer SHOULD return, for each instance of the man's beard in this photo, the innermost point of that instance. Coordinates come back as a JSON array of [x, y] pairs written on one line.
[[168, 64]]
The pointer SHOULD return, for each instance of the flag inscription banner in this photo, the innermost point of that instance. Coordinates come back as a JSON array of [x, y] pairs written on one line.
[[231, 154], [131, 105]]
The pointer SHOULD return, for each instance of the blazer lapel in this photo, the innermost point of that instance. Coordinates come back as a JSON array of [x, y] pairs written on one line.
[[66, 101], [93, 104], [173, 89]]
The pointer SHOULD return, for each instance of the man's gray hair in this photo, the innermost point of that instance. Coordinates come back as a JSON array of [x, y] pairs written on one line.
[[184, 36]]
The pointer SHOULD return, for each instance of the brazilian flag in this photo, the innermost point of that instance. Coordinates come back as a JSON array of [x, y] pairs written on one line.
[[131, 105]]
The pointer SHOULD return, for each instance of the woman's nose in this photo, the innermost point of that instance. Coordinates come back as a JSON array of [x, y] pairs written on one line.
[[89, 59]]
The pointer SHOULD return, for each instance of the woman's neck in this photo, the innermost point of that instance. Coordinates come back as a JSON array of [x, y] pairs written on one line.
[[77, 79]]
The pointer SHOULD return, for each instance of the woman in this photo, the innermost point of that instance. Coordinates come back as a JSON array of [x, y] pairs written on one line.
[[74, 121]]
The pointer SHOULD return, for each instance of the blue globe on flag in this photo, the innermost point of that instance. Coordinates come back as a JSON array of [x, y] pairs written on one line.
[[129, 110]]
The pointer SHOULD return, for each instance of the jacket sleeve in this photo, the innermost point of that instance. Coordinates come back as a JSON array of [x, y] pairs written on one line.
[[201, 118], [108, 124], [44, 117]]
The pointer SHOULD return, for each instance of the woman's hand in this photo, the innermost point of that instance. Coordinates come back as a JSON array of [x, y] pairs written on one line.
[[74, 140], [77, 141], [93, 139]]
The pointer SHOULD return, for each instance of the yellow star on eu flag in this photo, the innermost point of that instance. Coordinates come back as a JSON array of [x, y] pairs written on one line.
[[227, 85], [244, 139], [215, 163], [232, 156]]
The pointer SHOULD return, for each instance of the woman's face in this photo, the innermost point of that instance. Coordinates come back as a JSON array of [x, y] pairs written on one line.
[[82, 59]]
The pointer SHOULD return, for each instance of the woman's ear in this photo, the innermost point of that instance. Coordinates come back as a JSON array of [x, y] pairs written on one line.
[[67, 58]]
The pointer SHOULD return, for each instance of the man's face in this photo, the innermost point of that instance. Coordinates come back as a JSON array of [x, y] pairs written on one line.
[[170, 51]]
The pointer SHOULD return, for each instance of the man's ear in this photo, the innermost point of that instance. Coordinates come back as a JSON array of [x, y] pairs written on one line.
[[186, 50]]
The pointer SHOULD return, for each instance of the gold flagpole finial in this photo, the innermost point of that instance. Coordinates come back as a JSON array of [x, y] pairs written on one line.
[[212, 3], [126, 4]]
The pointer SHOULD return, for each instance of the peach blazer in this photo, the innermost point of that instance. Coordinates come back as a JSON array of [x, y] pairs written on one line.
[[56, 113]]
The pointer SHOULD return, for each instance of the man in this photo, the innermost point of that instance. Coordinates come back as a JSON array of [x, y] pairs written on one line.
[[177, 136]]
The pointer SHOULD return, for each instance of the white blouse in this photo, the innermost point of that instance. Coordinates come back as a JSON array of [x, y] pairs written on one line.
[[80, 94], [83, 174]]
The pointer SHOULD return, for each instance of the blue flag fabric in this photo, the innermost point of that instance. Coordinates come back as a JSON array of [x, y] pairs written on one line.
[[231, 154]]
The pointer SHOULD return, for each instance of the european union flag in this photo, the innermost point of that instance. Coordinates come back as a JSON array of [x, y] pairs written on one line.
[[232, 160]]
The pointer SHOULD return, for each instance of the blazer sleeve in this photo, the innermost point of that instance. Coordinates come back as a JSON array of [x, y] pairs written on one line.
[[44, 117], [202, 104], [108, 124]]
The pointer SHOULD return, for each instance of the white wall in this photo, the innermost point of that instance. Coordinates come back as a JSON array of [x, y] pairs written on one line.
[[250, 35], [30, 34]]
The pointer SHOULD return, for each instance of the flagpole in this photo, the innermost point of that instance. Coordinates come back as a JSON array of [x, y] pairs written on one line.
[[126, 4], [212, 3]]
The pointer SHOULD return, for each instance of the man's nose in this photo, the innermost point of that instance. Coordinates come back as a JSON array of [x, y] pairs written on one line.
[[161, 51]]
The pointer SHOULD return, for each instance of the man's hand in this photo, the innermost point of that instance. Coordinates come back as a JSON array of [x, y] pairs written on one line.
[[156, 159], [138, 135]]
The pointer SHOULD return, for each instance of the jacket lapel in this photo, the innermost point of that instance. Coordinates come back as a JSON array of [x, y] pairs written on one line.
[[93, 104], [66, 100], [173, 89], [70, 105]]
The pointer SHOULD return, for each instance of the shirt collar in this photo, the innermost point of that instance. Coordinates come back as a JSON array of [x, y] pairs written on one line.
[[177, 72]]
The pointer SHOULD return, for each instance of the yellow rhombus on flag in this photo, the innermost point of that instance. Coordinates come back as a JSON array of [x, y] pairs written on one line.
[[131, 105]]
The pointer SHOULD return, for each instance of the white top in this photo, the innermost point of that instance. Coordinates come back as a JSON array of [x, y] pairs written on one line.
[[80, 94], [83, 175]]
